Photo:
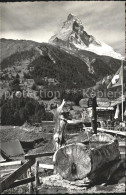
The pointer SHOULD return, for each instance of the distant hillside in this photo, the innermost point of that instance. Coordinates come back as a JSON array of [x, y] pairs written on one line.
[[10, 46], [71, 69]]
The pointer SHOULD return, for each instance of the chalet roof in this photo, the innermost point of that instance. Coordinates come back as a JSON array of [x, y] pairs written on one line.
[[104, 108], [102, 102], [77, 108], [12, 148]]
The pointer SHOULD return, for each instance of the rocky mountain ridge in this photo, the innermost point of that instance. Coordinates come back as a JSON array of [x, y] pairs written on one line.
[[73, 36]]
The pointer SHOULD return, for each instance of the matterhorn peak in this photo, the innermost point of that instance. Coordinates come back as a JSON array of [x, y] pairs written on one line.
[[73, 18], [72, 35], [70, 16]]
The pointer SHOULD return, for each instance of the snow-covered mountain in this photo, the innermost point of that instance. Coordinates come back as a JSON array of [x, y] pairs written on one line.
[[73, 36]]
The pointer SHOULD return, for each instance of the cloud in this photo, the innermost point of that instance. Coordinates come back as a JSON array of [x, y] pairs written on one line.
[[40, 20]]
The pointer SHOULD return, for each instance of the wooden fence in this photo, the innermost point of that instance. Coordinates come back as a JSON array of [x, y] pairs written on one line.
[[10, 181]]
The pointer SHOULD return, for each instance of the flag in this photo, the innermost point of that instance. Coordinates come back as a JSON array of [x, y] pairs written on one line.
[[117, 112], [117, 79], [125, 110]]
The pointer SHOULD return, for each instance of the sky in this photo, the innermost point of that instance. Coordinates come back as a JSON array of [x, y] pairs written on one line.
[[38, 21]]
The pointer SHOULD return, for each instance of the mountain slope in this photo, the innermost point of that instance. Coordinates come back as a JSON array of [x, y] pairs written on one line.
[[72, 69], [10, 46], [73, 36], [67, 68]]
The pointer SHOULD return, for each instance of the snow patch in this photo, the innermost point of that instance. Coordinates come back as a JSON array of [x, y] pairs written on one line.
[[51, 58], [40, 51], [104, 49]]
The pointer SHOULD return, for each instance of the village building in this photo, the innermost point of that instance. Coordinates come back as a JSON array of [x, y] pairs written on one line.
[[105, 112], [50, 104], [70, 103], [31, 68], [30, 81], [40, 87], [51, 81], [21, 80]]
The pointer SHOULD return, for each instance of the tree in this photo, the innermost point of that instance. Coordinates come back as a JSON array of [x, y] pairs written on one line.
[[7, 117], [23, 115], [17, 76], [14, 85], [49, 116], [17, 111], [27, 75], [17, 120], [34, 87], [30, 108]]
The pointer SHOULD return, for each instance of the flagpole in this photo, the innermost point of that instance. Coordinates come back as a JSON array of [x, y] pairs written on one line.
[[122, 89]]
